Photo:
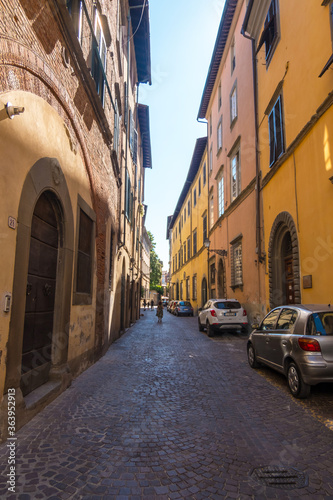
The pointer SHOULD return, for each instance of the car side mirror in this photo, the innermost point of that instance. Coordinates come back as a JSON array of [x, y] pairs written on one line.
[[255, 326]]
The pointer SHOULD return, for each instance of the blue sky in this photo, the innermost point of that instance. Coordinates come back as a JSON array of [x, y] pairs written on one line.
[[183, 34]]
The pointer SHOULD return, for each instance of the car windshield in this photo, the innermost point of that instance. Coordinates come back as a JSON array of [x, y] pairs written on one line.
[[184, 303], [320, 323], [227, 305]]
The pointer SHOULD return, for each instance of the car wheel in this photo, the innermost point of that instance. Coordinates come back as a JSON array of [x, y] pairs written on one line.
[[209, 329], [295, 382], [201, 328], [251, 357]]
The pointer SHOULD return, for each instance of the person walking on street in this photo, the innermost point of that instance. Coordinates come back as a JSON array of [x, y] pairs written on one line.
[[152, 304], [144, 304], [159, 312]]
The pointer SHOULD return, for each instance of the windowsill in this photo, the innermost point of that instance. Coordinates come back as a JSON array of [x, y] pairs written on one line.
[[234, 287]]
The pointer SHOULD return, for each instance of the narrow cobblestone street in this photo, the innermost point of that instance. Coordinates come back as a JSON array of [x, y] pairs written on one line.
[[169, 413]]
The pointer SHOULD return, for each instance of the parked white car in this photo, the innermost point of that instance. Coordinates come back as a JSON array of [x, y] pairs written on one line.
[[222, 314]]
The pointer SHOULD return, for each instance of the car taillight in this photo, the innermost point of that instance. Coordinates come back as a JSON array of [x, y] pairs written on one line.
[[311, 345], [244, 312], [213, 313]]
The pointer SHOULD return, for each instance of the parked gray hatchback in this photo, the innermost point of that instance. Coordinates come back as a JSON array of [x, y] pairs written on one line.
[[297, 341]]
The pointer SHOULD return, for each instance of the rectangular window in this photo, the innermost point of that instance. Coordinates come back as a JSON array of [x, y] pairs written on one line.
[[269, 33], [185, 214], [188, 248], [233, 55], [210, 125], [188, 207], [195, 197], [128, 199], [219, 97], [220, 188], [235, 176], [211, 211], [236, 265], [204, 175], [84, 262], [233, 105], [98, 67], [212, 273], [219, 135], [204, 228], [84, 253], [199, 187], [188, 288], [211, 158], [275, 124], [185, 252], [179, 259], [194, 288], [116, 130], [133, 138], [75, 9], [194, 242]]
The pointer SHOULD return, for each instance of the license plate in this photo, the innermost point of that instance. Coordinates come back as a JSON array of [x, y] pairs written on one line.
[[229, 314]]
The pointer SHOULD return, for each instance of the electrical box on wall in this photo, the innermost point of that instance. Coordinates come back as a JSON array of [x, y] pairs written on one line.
[[7, 302]]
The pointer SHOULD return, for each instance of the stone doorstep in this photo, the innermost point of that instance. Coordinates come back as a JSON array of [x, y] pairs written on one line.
[[41, 394]]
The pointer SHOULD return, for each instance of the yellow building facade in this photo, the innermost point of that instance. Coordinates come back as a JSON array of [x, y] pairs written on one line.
[[293, 49], [187, 230]]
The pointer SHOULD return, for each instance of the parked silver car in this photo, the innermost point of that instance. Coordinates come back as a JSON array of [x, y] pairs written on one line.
[[298, 342], [222, 314]]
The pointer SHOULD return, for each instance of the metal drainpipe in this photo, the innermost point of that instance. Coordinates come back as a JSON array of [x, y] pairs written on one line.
[[258, 174], [126, 113]]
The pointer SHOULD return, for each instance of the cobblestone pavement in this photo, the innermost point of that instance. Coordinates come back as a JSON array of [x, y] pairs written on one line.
[[169, 413]]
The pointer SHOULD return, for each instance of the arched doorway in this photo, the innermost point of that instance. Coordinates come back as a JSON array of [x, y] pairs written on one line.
[[203, 292], [221, 293], [40, 293], [45, 196], [283, 260]]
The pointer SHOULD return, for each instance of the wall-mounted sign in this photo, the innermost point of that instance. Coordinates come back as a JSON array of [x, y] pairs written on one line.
[[12, 222], [307, 281]]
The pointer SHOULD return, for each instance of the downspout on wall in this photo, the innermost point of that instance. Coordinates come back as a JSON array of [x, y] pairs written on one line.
[[261, 255]]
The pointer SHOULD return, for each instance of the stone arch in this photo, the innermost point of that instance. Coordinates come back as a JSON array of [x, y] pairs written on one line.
[[283, 262], [45, 176]]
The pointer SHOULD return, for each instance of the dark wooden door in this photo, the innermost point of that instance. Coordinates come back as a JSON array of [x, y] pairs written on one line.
[[289, 273], [40, 294]]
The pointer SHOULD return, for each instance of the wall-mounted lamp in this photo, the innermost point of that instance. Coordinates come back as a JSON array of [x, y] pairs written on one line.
[[221, 252], [13, 110]]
